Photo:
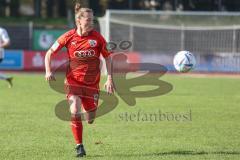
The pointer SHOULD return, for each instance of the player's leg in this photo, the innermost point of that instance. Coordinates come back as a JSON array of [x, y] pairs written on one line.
[[7, 78], [76, 124], [90, 113], [89, 104]]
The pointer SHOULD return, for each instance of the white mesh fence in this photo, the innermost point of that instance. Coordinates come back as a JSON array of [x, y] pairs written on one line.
[[169, 32]]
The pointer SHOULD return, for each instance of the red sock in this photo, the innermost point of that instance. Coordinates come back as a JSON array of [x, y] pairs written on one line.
[[77, 129]]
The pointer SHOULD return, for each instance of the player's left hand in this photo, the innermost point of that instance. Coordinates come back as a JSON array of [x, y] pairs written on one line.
[[50, 77], [109, 86]]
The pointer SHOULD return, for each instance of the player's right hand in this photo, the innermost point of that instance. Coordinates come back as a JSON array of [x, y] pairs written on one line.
[[50, 77]]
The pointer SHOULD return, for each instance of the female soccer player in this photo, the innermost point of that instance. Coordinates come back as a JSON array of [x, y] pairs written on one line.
[[4, 42], [84, 46]]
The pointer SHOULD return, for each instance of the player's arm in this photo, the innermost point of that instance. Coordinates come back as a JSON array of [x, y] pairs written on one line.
[[109, 85], [54, 49], [57, 46], [49, 75], [5, 44], [5, 40]]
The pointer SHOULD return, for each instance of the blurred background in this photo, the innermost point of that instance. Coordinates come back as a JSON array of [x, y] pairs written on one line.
[[158, 29]]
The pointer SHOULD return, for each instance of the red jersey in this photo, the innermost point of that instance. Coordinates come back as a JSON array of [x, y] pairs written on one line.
[[84, 56]]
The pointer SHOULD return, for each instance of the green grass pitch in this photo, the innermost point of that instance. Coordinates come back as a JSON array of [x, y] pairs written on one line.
[[29, 128]]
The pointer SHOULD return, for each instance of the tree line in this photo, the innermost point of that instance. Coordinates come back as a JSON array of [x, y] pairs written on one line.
[[59, 8]]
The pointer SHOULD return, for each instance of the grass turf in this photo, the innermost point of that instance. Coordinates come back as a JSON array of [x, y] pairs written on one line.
[[29, 128]]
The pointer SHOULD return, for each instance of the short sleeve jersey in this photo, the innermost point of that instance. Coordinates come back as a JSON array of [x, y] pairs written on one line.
[[84, 56]]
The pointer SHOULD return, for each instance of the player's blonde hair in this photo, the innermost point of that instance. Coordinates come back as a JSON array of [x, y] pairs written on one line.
[[79, 11]]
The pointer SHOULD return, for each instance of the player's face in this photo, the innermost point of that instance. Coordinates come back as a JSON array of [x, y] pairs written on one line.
[[85, 20]]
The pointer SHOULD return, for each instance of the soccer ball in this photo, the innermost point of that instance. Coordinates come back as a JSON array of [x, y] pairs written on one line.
[[184, 61]]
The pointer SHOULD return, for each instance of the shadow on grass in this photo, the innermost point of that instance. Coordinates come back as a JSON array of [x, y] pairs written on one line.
[[179, 153]]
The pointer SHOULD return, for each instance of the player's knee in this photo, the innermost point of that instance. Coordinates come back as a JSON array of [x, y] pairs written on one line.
[[75, 104], [90, 121], [91, 116], [73, 111]]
